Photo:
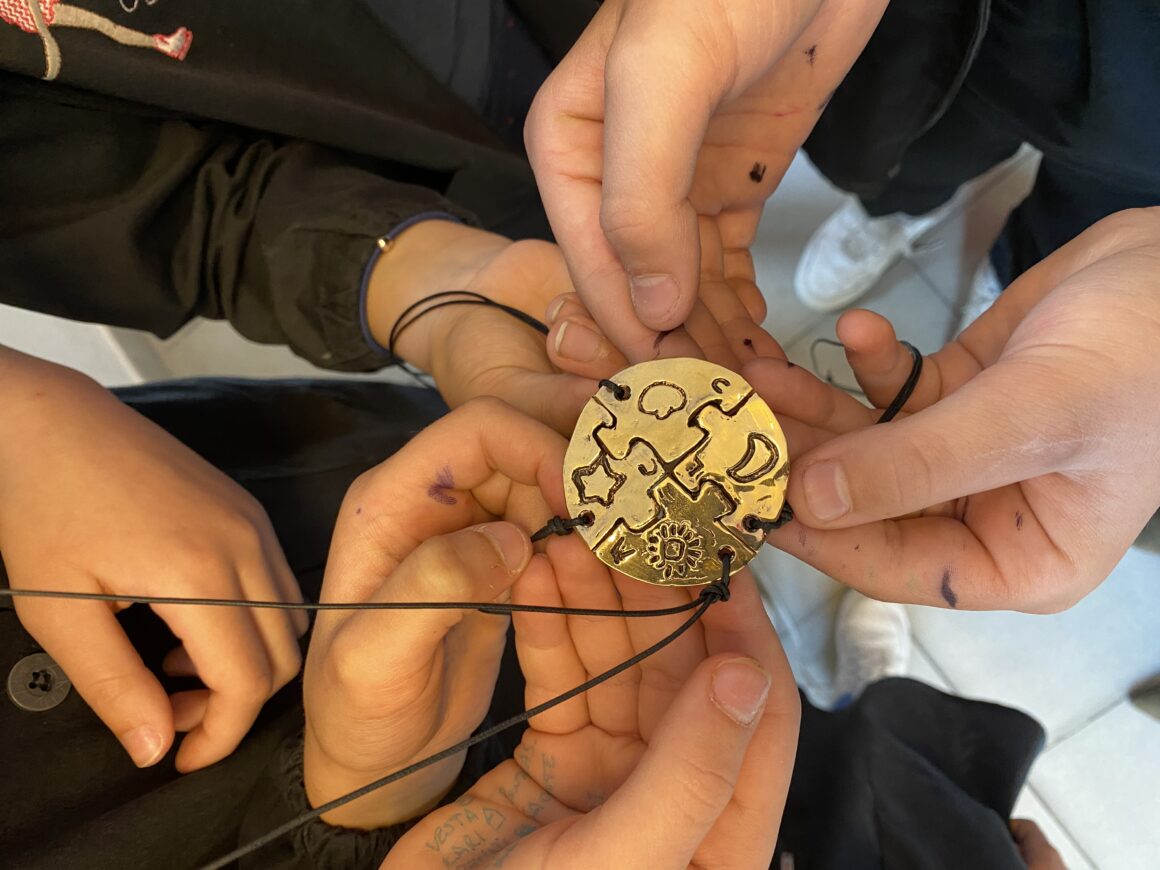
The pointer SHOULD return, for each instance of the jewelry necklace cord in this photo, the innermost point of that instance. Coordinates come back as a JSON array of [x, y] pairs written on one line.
[[717, 591]]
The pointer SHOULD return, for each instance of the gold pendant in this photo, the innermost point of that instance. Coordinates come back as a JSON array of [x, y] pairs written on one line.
[[673, 468]]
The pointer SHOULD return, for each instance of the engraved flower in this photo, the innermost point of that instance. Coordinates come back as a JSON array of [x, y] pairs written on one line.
[[673, 548]]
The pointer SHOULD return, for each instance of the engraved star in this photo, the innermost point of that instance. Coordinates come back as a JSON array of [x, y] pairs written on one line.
[[597, 483]]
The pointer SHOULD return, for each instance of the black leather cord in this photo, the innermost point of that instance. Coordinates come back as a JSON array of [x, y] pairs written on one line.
[[908, 386], [755, 524], [415, 311], [718, 591]]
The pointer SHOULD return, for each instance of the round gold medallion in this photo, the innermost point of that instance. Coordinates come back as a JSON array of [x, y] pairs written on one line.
[[674, 467]]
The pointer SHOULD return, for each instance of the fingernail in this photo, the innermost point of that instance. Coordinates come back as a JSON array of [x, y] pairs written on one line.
[[555, 309], [144, 745], [511, 544], [577, 342], [654, 297], [739, 688], [827, 492]]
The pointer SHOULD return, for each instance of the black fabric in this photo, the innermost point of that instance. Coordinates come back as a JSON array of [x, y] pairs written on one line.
[[1076, 80], [960, 146], [200, 220], [451, 39], [901, 84], [907, 777], [71, 796], [250, 179], [906, 774]]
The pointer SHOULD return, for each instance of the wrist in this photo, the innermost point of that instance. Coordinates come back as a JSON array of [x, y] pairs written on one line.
[[325, 780], [429, 257], [30, 391]]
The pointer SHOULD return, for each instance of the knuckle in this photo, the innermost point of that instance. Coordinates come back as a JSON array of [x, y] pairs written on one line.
[[252, 678], [1053, 585], [627, 219], [247, 531], [1052, 594], [199, 566], [703, 791], [345, 662], [109, 690], [444, 567], [481, 410]]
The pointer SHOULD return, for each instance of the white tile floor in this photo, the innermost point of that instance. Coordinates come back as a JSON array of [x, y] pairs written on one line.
[[1096, 789]]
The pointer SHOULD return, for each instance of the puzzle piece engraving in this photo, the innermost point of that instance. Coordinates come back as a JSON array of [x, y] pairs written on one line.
[[670, 462]]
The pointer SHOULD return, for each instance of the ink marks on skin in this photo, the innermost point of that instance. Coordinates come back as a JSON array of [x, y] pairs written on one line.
[[748, 342], [948, 594], [440, 490], [1018, 521], [494, 818], [811, 54], [757, 173], [475, 836]]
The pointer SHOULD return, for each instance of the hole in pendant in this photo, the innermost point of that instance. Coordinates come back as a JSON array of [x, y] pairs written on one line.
[[751, 523], [726, 553], [586, 518]]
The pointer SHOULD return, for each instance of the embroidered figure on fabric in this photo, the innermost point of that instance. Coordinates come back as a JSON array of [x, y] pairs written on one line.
[[40, 16]]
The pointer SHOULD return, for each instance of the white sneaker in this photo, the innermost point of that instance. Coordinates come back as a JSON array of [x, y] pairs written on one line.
[[985, 289], [851, 251], [873, 642]]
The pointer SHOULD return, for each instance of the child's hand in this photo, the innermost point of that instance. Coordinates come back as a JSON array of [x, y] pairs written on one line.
[[94, 498], [386, 688], [1030, 459], [683, 760], [474, 350]]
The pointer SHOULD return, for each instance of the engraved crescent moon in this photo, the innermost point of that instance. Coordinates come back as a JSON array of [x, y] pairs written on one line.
[[758, 445]]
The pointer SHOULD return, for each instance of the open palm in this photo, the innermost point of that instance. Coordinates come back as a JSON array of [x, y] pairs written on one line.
[[1030, 459], [627, 774]]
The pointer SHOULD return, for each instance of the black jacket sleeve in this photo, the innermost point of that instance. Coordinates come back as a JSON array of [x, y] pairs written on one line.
[[116, 215], [281, 797]]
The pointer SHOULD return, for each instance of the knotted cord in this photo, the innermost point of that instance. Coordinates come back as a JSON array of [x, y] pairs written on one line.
[[717, 591]]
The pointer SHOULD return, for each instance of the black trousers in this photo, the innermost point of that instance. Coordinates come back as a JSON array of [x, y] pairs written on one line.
[[1073, 80], [904, 777]]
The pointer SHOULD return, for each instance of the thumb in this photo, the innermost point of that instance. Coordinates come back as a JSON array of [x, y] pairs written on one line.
[[90, 646], [686, 778], [1004, 426], [645, 210], [476, 564]]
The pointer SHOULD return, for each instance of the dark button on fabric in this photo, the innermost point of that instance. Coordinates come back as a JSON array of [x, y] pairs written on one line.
[[36, 683]]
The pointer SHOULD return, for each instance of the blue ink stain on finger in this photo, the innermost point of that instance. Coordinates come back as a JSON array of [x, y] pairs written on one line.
[[948, 594], [438, 491]]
